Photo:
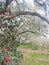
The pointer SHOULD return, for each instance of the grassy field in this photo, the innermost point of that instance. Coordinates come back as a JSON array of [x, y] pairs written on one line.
[[28, 45], [34, 57], [25, 45]]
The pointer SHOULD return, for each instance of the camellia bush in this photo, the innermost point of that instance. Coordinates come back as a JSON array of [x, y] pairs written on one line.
[[9, 39]]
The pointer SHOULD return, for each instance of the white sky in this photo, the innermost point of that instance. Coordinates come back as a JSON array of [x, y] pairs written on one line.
[[29, 1]]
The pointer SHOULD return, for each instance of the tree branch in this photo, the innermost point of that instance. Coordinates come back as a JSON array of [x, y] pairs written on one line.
[[27, 31], [40, 4], [43, 4], [26, 13], [34, 32]]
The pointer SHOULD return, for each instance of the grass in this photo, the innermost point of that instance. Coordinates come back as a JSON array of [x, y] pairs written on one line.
[[25, 45], [36, 59], [40, 54], [29, 45]]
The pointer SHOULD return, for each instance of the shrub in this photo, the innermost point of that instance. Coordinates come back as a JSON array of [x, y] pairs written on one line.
[[35, 46]]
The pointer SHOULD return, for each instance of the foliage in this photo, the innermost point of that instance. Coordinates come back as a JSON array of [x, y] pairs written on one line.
[[9, 40], [8, 46], [35, 46], [14, 55]]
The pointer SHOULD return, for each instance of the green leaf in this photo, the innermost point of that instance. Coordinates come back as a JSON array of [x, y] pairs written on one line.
[[2, 58]]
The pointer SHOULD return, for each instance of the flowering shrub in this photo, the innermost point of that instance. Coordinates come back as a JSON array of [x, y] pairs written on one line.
[[9, 55]]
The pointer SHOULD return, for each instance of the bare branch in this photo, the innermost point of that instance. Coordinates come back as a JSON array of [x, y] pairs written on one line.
[[26, 13], [34, 32], [27, 31], [43, 4]]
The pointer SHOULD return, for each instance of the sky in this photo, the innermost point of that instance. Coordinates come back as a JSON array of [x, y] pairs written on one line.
[[29, 1]]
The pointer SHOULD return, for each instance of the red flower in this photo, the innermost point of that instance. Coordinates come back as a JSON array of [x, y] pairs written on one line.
[[4, 49], [4, 63], [7, 59], [3, 12]]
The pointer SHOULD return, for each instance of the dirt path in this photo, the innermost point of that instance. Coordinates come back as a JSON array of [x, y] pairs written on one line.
[[29, 50], [26, 55]]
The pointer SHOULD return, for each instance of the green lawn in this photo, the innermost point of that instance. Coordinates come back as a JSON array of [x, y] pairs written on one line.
[[25, 45], [34, 58], [40, 58], [29, 45]]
